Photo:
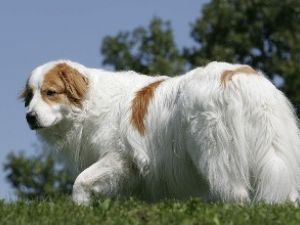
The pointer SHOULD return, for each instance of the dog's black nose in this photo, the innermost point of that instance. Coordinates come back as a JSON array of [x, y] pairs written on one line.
[[31, 118]]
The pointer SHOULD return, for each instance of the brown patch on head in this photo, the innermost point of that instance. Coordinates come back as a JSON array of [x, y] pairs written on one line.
[[228, 74], [140, 105], [64, 84]]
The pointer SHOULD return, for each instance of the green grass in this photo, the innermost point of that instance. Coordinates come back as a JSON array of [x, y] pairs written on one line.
[[135, 212]]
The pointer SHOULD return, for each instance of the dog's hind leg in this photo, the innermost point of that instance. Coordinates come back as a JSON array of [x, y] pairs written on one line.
[[218, 151], [276, 167], [275, 182]]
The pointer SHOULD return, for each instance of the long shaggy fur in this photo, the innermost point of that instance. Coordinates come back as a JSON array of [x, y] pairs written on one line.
[[232, 139]]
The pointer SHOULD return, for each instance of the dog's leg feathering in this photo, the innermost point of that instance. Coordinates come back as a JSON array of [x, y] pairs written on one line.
[[103, 177]]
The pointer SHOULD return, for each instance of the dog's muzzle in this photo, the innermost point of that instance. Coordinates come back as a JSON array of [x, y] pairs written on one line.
[[32, 120]]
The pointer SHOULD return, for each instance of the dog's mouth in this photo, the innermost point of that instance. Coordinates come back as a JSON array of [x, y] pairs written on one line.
[[34, 124]]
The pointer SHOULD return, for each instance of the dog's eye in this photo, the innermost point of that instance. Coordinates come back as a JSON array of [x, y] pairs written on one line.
[[50, 93]]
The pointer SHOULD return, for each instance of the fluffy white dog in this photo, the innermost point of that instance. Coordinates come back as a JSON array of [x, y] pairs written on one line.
[[221, 132]]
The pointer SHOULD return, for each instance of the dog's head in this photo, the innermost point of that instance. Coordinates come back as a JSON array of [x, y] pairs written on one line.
[[52, 92]]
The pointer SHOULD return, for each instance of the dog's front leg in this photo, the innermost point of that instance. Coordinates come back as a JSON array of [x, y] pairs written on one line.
[[102, 177]]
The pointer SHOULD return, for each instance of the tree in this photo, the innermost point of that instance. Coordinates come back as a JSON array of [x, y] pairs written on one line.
[[37, 177], [149, 50]]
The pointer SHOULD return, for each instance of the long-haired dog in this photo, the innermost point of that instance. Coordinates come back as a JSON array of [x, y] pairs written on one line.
[[222, 132]]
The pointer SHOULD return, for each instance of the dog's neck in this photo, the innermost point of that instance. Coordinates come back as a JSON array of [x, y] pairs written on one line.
[[68, 144]]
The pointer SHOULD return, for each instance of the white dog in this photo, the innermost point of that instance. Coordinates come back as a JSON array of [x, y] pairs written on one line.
[[221, 132]]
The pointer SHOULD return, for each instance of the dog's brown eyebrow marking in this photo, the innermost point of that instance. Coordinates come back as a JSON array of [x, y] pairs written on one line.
[[228, 74], [140, 103]]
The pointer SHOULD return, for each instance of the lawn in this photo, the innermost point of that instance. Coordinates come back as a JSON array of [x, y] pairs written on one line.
[[62, 211]]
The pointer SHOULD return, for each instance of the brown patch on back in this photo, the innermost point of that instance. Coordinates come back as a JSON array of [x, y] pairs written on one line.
[[67, 85], [228, 74], [140, 105]]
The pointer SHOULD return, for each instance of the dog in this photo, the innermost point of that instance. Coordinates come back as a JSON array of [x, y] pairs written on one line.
[[221, 132]]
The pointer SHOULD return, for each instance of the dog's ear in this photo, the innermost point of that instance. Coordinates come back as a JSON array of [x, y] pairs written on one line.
[[26, 95], [76, 84], [22, 94]]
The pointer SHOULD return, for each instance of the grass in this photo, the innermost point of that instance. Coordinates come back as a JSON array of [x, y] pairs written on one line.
[[62, 211]]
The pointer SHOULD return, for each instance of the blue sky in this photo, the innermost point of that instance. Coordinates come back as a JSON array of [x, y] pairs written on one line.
[[34, 32]]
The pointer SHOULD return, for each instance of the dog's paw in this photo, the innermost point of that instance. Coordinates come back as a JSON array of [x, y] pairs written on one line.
[[294, 198], [81, 198], [142, 162], [79, 195], [240, 195]]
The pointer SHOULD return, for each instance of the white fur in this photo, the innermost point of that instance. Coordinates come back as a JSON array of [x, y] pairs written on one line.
[[237, 143]]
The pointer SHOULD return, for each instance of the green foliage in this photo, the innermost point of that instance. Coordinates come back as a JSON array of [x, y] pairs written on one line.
[[62, 211], [149, 50], [260, 33], [37, 177]]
